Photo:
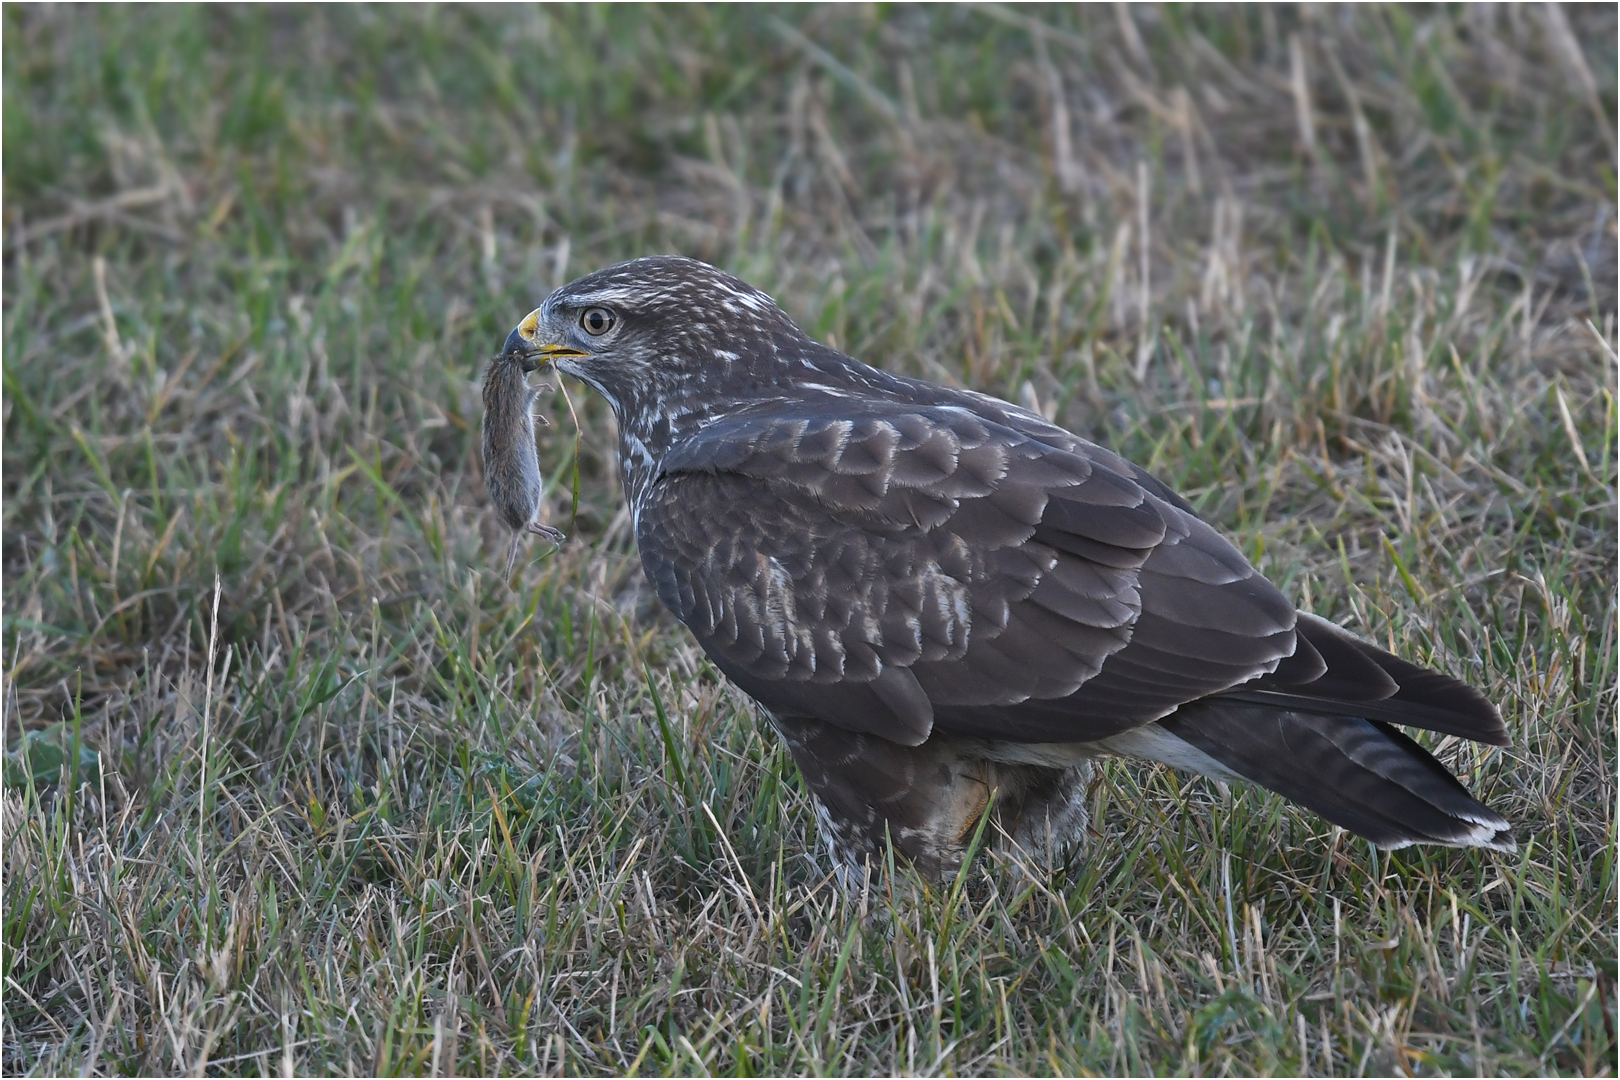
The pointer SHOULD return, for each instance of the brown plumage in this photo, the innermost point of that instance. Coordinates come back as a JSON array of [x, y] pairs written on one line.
[[511, 463], [937, 595]]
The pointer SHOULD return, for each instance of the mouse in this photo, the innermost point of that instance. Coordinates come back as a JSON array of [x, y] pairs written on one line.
[[511, 460]]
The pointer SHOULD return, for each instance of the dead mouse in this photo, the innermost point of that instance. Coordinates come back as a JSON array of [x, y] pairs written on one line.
[[511, 462]]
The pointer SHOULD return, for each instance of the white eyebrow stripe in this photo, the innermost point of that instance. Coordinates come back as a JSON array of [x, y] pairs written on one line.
[[613, 294]]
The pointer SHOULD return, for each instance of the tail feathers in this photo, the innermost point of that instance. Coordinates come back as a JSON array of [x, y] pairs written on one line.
[[1361, 774]]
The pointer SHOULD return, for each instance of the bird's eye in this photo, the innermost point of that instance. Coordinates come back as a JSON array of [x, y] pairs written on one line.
[[597, 321]]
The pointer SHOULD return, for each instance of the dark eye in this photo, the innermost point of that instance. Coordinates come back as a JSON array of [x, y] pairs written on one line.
[[597, 321]]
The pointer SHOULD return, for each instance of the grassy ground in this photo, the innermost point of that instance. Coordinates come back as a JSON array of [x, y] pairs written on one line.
[[340, 800]]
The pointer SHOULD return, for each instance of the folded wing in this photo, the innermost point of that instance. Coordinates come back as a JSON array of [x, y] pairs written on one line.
[[922, 566]]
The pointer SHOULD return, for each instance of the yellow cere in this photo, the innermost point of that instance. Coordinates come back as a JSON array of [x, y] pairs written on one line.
[[530, 326]]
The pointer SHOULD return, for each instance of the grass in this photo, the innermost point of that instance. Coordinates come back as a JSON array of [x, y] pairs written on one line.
[[295, 782]]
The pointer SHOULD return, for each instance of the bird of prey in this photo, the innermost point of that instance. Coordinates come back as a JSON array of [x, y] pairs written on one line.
[[947, 604]]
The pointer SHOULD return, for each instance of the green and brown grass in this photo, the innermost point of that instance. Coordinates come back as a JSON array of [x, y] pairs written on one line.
[[295, 782]]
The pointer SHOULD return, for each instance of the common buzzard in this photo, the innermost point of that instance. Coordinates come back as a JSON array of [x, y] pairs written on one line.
[[946, 603]]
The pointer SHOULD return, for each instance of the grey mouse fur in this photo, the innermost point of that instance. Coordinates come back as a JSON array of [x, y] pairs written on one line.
[[511, 462]]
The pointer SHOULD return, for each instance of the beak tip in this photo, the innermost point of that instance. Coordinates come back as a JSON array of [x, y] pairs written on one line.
[[521, 341], [516, 344]]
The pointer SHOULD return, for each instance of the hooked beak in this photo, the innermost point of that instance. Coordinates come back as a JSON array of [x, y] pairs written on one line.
[[526, 341]]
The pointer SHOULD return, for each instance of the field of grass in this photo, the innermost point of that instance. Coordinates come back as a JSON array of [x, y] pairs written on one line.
[[295, 782]]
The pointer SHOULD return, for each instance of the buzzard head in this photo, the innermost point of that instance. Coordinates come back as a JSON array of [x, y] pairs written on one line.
[[665, 340]]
